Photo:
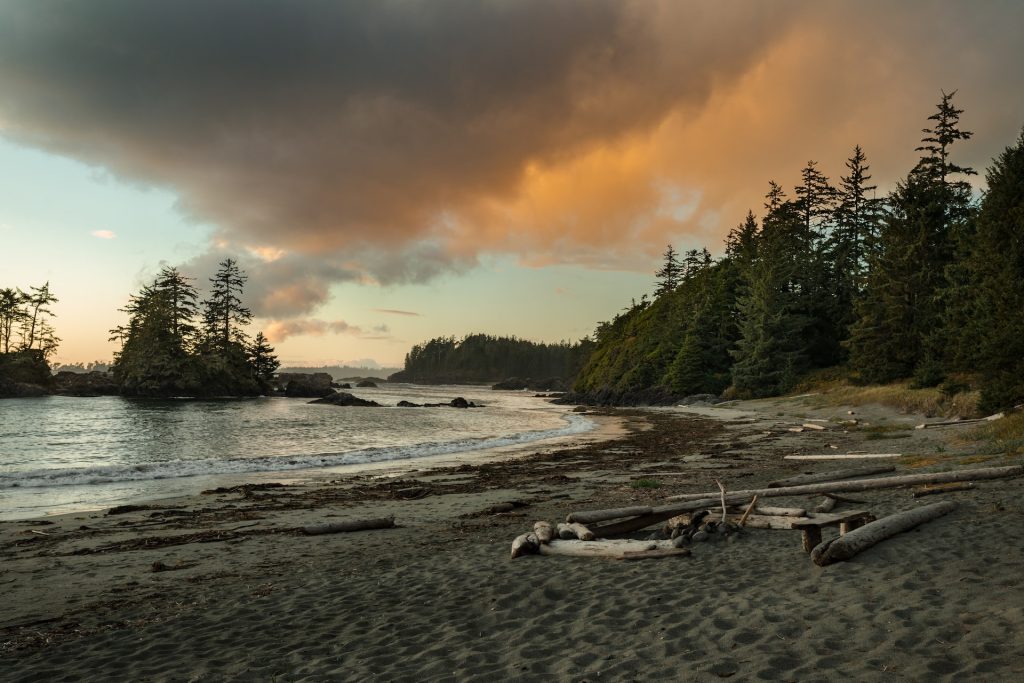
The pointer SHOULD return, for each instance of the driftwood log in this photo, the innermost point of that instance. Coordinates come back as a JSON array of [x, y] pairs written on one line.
[[350, 525], [868, 484], [543, 532], [834, 475], [526, 544], [951, 423], [575, 530], [931, 491], [591, 516], [842, 456], [614, 548], [827, 504], [858, 540]]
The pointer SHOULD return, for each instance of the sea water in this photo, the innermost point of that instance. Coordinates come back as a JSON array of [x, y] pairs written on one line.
[[62, 454]]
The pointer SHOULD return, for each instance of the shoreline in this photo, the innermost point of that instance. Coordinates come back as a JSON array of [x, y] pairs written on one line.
[[437, 597]]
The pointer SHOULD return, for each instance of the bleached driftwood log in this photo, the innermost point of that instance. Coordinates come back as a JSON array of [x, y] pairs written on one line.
[[350, 525], [951, 423], [826, 505], [543, 531], [943, 489], [591, 516], [568, 531], [615, 548], [525, 544], [858, 540], [868, 484], [780, 512], [842, 456], [834, 475]]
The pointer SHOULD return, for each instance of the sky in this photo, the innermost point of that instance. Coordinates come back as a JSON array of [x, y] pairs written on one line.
[[391, 171]]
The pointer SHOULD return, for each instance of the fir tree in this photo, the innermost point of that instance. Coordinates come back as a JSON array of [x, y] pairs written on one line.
[[670, 273], [997, 269], [12, 314], [224, 316], [262, 359], [36, 309]]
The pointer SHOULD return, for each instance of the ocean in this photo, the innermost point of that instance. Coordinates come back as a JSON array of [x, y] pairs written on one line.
[[61, 454]]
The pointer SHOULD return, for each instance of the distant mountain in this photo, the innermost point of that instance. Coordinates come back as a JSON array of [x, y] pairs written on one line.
[[343, 371]]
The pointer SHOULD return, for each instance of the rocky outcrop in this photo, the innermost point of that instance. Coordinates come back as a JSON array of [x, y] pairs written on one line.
[[341, 398], [305, 385], [341, 385], [366, 383], [68, 383], [409, 404], [653, 396], [24, 374]]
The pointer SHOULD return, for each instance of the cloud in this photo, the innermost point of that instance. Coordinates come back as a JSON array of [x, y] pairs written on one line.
[[393, 142], [279, 330], [394, 311], [103, 234]]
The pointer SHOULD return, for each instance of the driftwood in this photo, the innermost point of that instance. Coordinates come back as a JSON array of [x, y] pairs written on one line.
[[543, 532], [615, 548], [867, 484], [834, 475], [780, 512], [725, 510], [563, 531], [691, 502], [591, 516], [951, 423], [350, 525], [655, 554], [843, 499], [858, 540], [846, 521], [746, 513], [842, 456], [943, 489], [811, 425], [526, 544], [567, 531], [826, 505]]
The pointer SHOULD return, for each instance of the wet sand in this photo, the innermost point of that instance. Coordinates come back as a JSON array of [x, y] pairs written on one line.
[[240, 594]]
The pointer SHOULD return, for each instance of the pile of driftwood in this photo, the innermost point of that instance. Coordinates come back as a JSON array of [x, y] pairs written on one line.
[[709, 516]]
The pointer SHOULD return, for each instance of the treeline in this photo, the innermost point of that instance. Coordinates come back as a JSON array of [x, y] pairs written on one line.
[[175, 345], [924, 284], [485, 358], [27, 340]]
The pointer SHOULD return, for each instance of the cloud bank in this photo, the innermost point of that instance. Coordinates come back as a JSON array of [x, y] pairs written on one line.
[[394, 141]]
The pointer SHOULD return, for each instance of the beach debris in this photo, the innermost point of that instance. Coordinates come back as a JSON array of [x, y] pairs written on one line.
[[861, 484], [842, 456], [604, 515], [571, 530], [833, 475], [159, 566], [622, 549], [856, 541], [124, 509], [725, 510], [746, 513], [826, 505], [543, 531], [951, 423], [525, 544], [950, 488], [349, 525], [812, 526], [813, 425], [795, 429]]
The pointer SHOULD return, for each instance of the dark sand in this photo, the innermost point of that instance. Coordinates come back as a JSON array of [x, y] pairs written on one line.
[[246, 597]]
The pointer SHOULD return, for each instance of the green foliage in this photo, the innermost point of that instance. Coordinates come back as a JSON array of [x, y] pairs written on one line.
[[165, 353], [486, 358], [28, 315], [645, 484]]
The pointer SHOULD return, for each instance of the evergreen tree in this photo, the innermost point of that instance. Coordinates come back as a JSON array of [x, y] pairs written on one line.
[[815, 200], [997, 270], [12, 314], [899, 331], [224, 316], [262, 359], [670, 273], [36, 310], [741, 244]]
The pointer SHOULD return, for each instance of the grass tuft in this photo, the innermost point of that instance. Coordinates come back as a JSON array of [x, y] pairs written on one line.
[[645, 484]]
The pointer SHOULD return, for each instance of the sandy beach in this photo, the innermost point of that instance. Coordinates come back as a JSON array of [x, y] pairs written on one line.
[[222, 586]]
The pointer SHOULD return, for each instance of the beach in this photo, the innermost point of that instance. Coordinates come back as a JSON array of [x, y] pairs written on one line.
[[223, 586]]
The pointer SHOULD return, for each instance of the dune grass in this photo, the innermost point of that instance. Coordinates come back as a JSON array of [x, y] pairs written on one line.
[[645, 484], [834, 387], [1004, 437]]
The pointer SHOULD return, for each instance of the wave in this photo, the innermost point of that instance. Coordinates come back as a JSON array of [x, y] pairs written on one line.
[[575, 424]]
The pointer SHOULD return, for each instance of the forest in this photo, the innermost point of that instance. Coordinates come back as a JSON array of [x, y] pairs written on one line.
[[925, 284], [175, 345], [485, 358]]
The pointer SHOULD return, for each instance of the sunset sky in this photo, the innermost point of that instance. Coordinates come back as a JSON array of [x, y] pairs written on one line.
[[391, 171]]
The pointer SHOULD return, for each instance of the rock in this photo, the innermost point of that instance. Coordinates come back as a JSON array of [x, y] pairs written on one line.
[[341, 398], [511, 384], [305, 385], [366, 383], [681, 541], [701, 536], [459, 402], [341, 385], [408, 404], [69, 383], [517, 384]]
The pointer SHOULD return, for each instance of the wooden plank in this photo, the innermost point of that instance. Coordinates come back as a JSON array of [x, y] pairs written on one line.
[[843, 456], [833, 475]]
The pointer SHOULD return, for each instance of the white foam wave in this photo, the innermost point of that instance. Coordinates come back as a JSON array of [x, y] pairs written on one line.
[[575, 424]]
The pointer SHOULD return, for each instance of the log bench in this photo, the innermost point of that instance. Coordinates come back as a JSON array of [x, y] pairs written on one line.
[[846, 521]]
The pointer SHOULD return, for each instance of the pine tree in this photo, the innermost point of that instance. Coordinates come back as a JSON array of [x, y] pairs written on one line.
[[670, 273], [741, 243], [262, 359], [223, 312], [36, 304], [900, 330], [12, 314], [997, 270], [815, 200]]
